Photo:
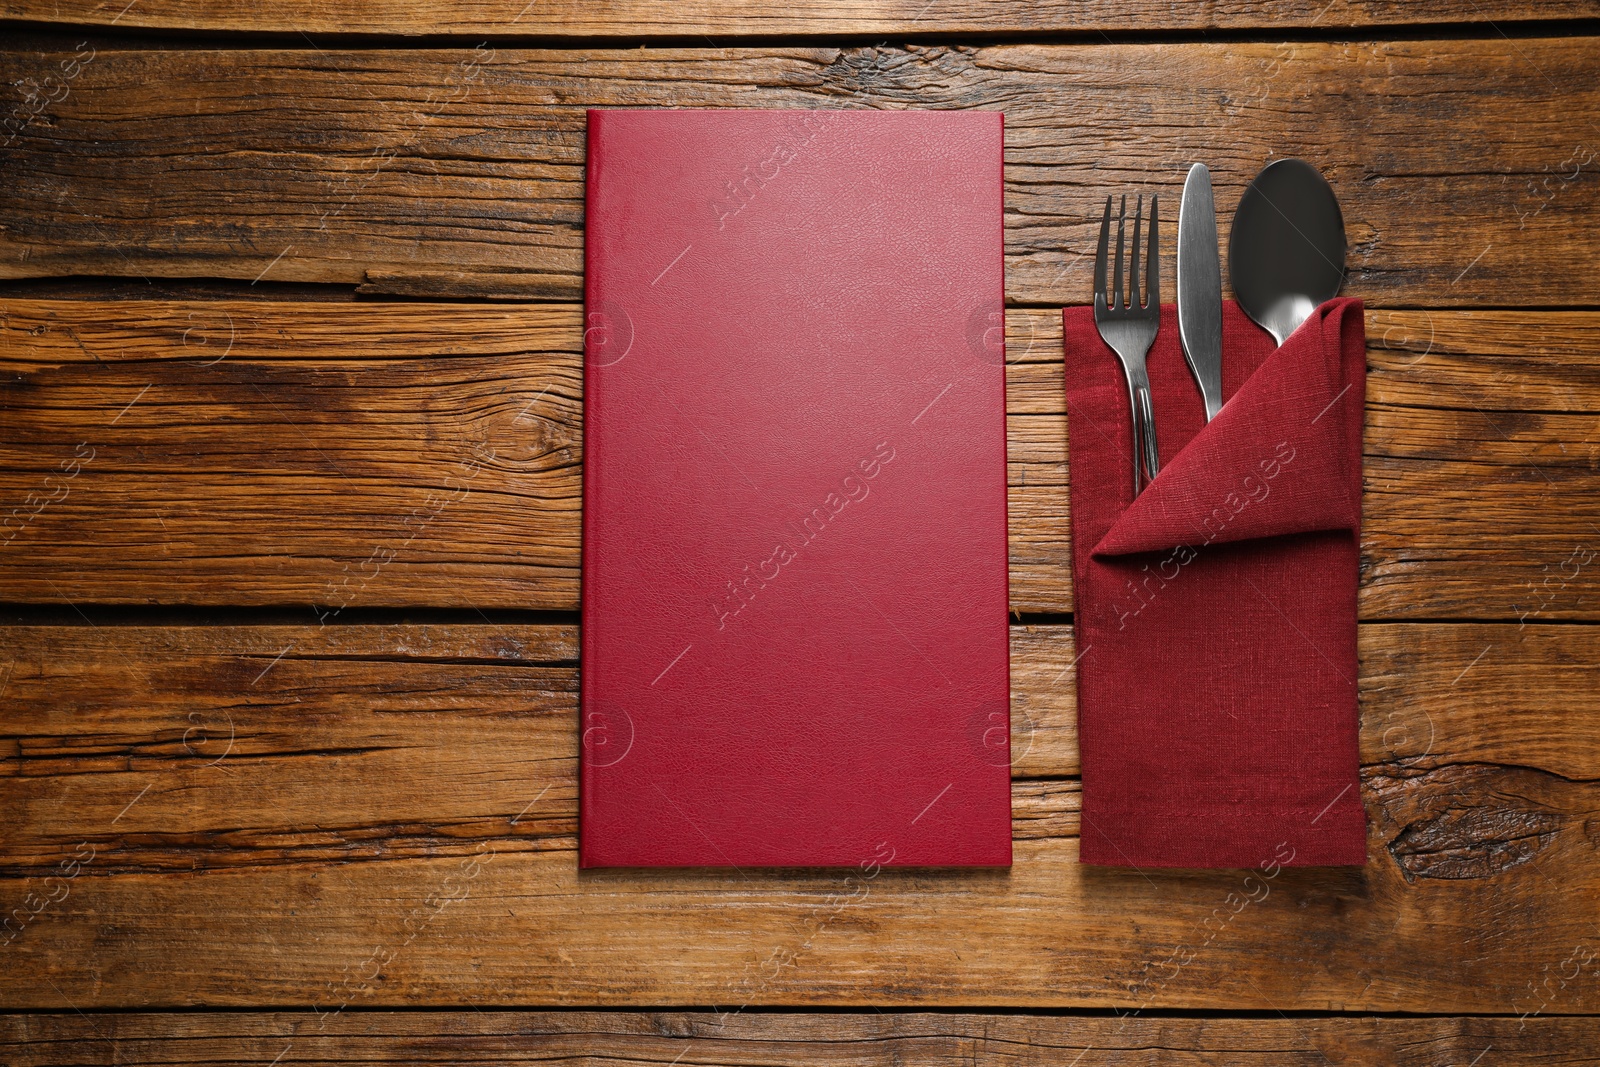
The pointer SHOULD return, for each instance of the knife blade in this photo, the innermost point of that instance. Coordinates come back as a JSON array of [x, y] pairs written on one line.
[[1200, 287]]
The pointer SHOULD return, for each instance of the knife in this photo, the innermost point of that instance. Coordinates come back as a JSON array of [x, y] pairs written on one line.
[[1200, 287]]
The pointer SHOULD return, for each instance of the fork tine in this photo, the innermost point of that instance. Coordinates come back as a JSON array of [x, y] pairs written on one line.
[[1133, 265], [1116, 279], [1100, 257], [1153, 282]]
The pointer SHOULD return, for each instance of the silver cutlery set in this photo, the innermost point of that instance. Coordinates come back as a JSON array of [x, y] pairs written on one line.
[[1285, 257]]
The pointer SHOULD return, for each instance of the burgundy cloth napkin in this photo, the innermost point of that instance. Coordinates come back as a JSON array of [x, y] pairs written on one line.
[[1216, 614]]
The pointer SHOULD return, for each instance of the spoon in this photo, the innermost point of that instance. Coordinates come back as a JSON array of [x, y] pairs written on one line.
[[1286, 251]]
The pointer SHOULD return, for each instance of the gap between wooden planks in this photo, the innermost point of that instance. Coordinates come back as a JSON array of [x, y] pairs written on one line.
[[1464, 167], [763, 1039], [693, 18], [410, 455], [262, 808]]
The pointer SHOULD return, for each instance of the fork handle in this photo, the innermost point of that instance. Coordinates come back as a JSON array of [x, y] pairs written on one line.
[[1145, 452]]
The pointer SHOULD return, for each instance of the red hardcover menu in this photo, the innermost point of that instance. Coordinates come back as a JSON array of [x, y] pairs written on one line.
[[794, 645]]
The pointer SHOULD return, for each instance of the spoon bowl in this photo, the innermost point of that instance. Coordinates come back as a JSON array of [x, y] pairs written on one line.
[[1286, 250]]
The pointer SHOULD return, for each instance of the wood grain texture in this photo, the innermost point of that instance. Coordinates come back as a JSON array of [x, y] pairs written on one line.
[[663, 1038], [346, 816], [112, 699], [459, 172], [334, 454], [403, 455], [385, 815], [680, 18], [1436, 695]]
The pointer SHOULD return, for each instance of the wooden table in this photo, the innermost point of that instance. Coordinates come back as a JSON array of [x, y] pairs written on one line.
[[290, 459]]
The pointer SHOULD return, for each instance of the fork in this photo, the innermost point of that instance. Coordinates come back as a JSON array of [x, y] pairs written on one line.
[[1130, 326]]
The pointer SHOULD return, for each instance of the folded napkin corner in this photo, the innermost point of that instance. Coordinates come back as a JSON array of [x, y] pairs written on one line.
[[1278, 459]]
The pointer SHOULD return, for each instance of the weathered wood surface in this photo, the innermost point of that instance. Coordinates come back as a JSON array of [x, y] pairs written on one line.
[[1433, 695], [331, 454], [364, 812], [663, 1038], [459, 171], [362, 816], [373, 455], [692, 18]]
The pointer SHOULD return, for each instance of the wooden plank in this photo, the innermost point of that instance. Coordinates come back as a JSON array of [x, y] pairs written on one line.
[[1435, 695], [662, 1038], [400, 455], [1432, 695], [1526, 430], [265, 808], [639, 18], [460, 171], [307, 453]]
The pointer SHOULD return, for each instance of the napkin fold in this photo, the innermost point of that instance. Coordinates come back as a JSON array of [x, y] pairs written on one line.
[[1215, 613]]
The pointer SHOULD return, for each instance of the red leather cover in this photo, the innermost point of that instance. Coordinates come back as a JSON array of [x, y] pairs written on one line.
[[794, 539]]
